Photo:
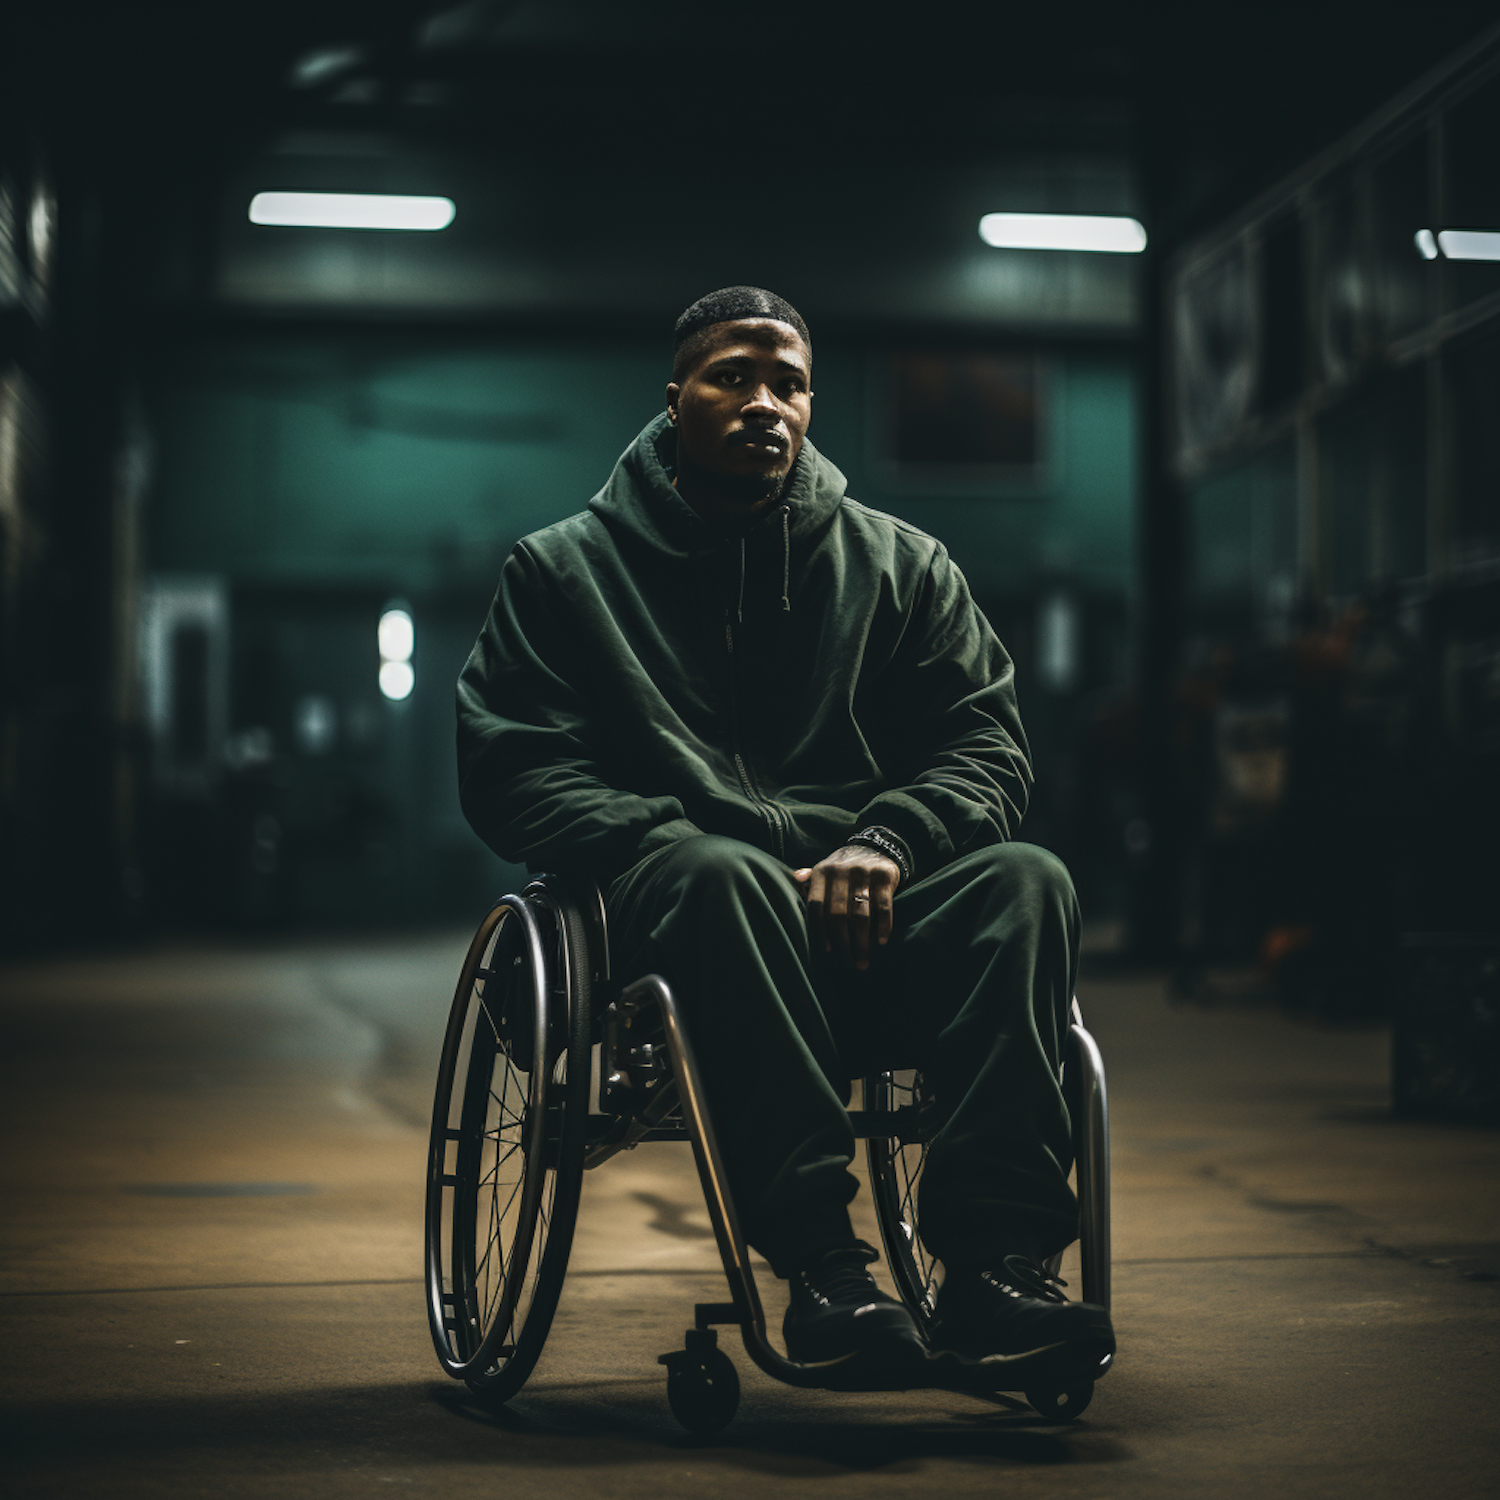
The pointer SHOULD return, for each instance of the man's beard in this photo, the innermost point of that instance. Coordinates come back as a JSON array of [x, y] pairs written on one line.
[[751, 489]]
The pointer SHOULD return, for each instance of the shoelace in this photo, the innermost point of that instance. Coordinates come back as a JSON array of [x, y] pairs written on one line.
[[1029, 1277], [842, 1274]]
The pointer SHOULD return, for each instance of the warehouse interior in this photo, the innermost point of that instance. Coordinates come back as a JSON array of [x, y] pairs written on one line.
[[1231, 499]]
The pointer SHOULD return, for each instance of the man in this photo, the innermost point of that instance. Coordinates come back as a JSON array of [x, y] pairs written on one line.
[[774, 726]]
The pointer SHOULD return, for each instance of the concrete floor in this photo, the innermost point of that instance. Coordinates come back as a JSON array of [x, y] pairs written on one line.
[[211, 1271]]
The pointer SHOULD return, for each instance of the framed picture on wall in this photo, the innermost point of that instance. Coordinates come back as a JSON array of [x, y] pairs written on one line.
[[969, 419]]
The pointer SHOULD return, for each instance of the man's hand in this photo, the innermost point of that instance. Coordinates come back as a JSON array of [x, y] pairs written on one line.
[[849, 898]]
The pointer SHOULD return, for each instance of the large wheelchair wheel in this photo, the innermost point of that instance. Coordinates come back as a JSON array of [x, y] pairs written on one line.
[[505, 1160], [895, 1177]]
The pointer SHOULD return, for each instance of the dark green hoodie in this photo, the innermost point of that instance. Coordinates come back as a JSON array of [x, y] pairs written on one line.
[[642, 679]]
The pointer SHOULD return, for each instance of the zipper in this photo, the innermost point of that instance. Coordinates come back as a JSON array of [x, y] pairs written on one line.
[[757, 799]]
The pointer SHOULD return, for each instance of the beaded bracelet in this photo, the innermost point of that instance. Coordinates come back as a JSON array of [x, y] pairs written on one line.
[[883, 841]]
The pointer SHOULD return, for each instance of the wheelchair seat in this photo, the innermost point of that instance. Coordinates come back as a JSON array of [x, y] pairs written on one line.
[[513, 1132]]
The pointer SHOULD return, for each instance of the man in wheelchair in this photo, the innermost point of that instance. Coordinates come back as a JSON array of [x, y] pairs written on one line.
[[775, 728]]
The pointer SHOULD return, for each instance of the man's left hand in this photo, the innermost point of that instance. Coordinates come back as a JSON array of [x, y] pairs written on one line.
[[850, 901]]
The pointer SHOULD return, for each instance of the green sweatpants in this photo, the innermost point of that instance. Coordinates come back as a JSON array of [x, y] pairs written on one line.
[[973, 987]]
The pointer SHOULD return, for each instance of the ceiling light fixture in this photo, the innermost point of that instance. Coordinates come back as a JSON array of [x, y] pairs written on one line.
[[1094, 232], [351, 211], [1469, 244]]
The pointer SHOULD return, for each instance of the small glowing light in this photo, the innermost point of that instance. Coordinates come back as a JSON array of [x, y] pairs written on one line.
[[1111, 236], [1426, 244], [351, 211], [315, 723], [1469, 244], [397, 679], [318, 67], [397, 635], [398, 638], [1059, 630]]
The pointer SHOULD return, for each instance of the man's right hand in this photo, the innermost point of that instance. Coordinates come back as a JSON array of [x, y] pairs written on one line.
[[850, 897]]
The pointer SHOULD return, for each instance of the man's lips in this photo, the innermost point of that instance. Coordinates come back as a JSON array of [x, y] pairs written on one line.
[[771, 442]]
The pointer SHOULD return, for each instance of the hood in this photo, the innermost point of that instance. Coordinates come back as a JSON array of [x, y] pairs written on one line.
[[640, 501]]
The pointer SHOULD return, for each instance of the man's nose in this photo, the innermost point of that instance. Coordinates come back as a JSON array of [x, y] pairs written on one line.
[[761, 400]]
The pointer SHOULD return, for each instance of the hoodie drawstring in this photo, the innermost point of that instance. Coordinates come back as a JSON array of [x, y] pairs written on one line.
[[786, 568], [786, 559]]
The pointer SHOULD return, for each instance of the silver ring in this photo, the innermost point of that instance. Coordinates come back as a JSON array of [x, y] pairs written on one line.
[[861, 895]]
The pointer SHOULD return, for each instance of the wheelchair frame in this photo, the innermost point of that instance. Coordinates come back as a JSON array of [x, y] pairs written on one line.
[[539, 1035]]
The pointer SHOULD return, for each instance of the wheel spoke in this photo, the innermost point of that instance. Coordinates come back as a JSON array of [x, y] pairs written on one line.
[[896, 1167], [509, 1103], [501, 1157], [489, 1259], [499, 1215], [484, 1010], [516, 1115], [906, 1204], [499, 1162], [492, 1239]]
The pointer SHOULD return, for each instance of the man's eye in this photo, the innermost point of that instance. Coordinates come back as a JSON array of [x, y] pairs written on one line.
[[729, 377]]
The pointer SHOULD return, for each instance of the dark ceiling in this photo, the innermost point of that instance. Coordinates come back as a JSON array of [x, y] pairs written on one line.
[[1210, 102]]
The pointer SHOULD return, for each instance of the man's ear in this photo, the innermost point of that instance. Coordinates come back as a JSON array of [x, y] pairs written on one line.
[[673, 392]]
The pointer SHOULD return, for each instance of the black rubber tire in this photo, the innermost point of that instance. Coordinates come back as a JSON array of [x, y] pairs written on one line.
[[511, 1113], [703, 1391], [895, 1174], [1061, 1406]]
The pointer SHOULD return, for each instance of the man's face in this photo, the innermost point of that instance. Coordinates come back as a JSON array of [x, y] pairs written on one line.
[[742, 409]]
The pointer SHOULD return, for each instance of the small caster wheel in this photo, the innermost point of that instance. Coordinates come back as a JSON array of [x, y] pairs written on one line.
[[1061, 1406], [703, 1389]]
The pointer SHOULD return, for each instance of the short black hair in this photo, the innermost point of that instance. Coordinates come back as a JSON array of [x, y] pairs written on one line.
[[728, 305]]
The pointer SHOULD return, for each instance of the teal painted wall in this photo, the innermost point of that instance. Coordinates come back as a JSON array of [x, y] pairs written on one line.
[[1075, 522], [411, 469], [417, 469]]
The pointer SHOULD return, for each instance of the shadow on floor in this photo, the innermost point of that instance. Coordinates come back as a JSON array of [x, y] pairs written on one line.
[[672, 1217], [582, 1426]]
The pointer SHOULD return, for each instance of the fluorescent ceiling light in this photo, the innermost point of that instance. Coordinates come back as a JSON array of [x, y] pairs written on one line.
[[1426, 244], [1112, 236], [1469, 244], [351, 211], [397, 635], [397, 680]]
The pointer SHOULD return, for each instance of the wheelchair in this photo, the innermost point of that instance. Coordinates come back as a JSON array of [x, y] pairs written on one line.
[[514, 1130]]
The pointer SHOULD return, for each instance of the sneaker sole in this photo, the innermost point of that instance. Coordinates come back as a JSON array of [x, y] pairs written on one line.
[[1096, 1338], [895, 1364], [1059, 1365]]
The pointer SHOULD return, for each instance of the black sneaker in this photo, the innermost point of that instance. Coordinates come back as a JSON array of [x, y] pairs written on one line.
[[838, 1313], [1019, 1310]]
